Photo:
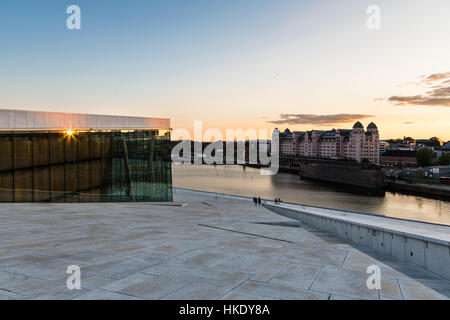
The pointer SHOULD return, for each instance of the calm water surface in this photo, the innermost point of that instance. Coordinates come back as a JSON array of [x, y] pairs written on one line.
[[291, 188]]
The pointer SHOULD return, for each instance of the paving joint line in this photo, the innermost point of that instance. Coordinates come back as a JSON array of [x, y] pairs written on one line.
[[315, 279], [246, 233], [400, 288], [234, 288], [281, 270]]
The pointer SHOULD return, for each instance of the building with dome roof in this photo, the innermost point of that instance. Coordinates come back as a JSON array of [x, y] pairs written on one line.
[[339, 144], [358, 125]]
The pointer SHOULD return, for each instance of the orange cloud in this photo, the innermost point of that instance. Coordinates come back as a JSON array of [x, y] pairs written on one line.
[[321, 120], [439, 96]]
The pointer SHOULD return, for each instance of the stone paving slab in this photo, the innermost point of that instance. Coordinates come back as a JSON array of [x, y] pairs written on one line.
[[210, 247], [298, 275], [343, 282]]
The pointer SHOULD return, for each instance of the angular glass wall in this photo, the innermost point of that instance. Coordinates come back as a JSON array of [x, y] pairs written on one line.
[[94, 166]]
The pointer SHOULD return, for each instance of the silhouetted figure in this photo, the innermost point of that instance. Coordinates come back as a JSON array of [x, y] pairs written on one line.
[[279, 200], [259, 201], [255, 201], [276, 201]]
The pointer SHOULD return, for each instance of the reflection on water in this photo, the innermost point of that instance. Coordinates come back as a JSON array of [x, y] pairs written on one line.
[[291, 188]]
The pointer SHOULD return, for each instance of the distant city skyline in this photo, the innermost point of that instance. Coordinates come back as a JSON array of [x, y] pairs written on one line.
[[263, 64], [346, 126]]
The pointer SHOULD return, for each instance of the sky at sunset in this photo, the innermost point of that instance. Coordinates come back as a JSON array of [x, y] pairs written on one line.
[[234, 63]]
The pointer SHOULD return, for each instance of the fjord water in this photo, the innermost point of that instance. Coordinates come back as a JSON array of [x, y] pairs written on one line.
[[234, 179]]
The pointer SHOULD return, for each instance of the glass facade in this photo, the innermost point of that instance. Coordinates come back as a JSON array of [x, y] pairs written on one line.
[[90, 166]]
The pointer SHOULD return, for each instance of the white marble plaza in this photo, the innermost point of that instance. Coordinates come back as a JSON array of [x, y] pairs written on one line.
[[204, 246]]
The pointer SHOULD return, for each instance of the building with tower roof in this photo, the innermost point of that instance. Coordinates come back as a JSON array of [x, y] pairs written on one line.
[[354, 144]]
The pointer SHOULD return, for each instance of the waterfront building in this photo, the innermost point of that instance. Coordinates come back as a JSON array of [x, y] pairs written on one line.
[[287, 145], [68, 157], [439, 151], [434, 173], [399, 158], [384, 146], [407, 143], [432, 142], [338, 144]]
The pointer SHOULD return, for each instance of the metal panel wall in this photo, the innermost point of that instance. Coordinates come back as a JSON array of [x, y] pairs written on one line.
[[14, 120]]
